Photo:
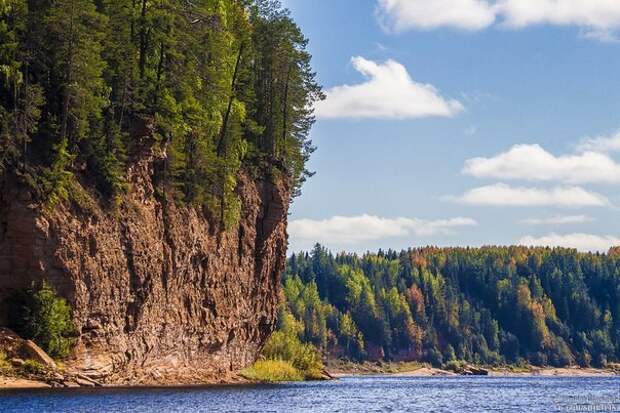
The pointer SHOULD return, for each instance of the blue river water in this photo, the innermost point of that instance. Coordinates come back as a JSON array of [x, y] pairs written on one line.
[[351, 394]]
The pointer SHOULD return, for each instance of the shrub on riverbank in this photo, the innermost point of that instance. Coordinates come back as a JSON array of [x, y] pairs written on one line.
[[33, 367], [286, 358], [304, 357], [273, 371], [5, 365], [45, 318]]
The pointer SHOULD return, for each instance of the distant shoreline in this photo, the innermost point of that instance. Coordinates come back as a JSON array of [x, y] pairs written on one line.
[[340, 369]]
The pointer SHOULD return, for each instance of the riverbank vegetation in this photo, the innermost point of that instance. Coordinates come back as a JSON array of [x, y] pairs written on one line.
[[272, 371], [286, 358], [490, 306], [42, 316], [209, 86], [5, 365]]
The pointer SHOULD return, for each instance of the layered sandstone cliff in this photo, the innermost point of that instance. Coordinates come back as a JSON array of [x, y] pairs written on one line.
[[159, 293]]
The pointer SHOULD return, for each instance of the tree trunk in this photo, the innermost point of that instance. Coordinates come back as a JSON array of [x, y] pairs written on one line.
[[67, 86], [133, 22], [143, 39], [123, 104], [160, 72], [285, 104], [25, 110], [220, 144]]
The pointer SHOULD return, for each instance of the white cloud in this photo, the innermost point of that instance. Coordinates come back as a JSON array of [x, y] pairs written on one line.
[[601, 144], [532, 162], [471, 131], [388, 93], [559, 220], [581, 242], [598, 19], [504, 195], [399, 15], [357, 229], [601, 35], [598, 14]]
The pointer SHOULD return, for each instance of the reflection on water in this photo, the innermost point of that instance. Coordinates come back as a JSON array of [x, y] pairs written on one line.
[[355, 394]]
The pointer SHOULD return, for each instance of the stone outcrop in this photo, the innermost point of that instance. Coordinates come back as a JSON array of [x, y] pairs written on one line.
[[469, 370], [18, 349], [159, 293], [19, 353], [33, 352]]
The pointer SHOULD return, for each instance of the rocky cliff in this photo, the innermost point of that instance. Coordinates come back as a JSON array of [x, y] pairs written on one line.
[[159, 293]]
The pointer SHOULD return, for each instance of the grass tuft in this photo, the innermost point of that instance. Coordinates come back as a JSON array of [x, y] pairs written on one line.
[[5, 365], [34, 367]]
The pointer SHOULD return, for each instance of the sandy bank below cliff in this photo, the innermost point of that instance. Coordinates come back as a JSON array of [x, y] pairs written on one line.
[[16, 383]]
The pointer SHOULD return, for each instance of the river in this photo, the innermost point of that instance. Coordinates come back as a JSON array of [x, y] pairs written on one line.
[[350, 394]]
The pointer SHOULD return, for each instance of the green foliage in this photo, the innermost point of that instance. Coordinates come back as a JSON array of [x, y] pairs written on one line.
[[494, 305], [218, 86], [75, 31], [33, 367], [59, 178], [5, 365], [272, 371], [291, 94], [456, 366], [303, 357], [45, 318]]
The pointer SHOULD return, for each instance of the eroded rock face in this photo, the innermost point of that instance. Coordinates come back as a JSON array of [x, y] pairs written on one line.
[[158, 293]]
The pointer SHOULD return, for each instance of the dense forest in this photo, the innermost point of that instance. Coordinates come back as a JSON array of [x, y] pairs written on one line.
[[493, 305], [214, 85]]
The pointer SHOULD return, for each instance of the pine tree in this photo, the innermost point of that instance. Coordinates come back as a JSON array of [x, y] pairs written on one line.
[[76, 30], [221, 87]]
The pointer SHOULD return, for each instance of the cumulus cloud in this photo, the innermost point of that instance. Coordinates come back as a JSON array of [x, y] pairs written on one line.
[[598, 14], [357, 229], [471, 131], [581, 242], [399, 15], [388, 93], [505, 195], [601, 35], [598, 19], [532, 162], [609, 143], [559, 220]]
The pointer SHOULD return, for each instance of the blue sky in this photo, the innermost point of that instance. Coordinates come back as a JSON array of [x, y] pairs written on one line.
[[462, 122]]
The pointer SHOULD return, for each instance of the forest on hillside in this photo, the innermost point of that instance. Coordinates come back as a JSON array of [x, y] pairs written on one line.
[[491, 305], [216, 86]]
